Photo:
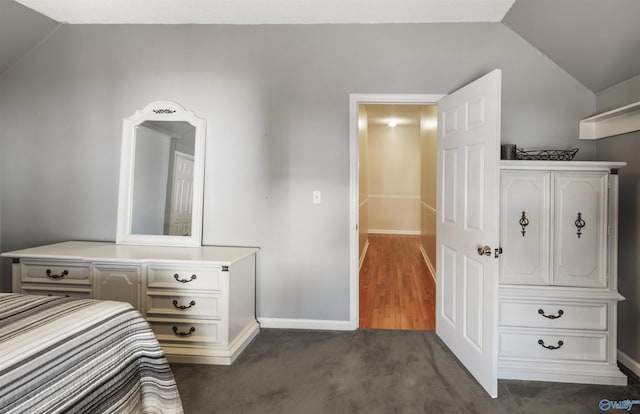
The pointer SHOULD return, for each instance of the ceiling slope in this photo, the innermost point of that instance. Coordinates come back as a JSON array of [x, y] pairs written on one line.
[[270, 11], [20, 30], [595, 41]]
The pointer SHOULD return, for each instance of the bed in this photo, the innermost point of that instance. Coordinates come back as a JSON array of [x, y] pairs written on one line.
[[80, 356]]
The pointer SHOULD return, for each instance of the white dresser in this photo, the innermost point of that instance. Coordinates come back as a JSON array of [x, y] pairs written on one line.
[[558, 290], [199, 301]]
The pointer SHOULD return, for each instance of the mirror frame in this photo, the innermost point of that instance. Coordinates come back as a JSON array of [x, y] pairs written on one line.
[[159, 111]]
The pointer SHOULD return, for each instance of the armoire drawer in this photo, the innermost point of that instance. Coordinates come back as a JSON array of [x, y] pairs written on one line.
[[548, 344], [76, 273], [184, 278], [180, 304], [553, 314], [185, 331]]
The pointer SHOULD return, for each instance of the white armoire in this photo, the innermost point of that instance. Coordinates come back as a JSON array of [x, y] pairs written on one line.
[[558, 290]]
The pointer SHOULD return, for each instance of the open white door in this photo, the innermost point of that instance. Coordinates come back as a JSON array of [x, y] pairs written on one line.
[[181, 195], [467, 226]]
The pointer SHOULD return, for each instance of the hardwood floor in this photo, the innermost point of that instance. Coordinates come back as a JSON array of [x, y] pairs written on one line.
[[396, 288]]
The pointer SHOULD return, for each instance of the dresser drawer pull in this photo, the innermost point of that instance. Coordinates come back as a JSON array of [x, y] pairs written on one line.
[[60, 276], [560, 313], [541, 343], [183, 307], [191, 331], [177, 277]]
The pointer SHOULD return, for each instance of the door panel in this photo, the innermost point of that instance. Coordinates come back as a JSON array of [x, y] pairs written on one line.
[[474, 188], [449, 171], [468, 191], [448, 281], [474, 281]]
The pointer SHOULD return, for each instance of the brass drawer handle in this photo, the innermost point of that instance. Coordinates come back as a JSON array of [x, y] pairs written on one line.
[[191, 331], [560, 313], [60, 276], [177, 277], [551, 347], [183, 307]]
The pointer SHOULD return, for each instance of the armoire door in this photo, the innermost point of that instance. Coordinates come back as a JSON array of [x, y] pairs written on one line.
[[524, 227], [467, 226], [580, 240]]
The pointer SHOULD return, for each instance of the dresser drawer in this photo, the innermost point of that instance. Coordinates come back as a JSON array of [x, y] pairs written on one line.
[[184, 278], [179, 304], [553, 314], [553, 345], [185, 331], [76, 273], [71, 292]]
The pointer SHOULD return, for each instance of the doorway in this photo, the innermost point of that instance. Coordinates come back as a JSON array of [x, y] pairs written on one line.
[[395, 168]]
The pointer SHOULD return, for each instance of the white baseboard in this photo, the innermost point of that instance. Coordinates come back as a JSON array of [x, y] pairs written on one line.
[[363, 255], [316, 324], [627, 361], [432, 269], [399, 232]]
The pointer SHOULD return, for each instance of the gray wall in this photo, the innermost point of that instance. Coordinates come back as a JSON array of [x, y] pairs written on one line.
[[276, 101], [626, 148]]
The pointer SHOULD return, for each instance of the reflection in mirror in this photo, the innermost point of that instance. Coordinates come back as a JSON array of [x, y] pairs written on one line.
[[161, 177]]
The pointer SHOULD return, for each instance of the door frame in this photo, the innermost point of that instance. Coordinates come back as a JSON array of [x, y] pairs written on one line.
[[355, 100]]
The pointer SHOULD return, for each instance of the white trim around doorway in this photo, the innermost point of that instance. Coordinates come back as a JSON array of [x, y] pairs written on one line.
[[354, 257]]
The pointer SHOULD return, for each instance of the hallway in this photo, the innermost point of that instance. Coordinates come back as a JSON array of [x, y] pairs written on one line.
[[396, 288]]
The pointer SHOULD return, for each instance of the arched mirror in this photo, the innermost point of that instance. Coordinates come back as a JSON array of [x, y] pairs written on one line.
[[161, 177]]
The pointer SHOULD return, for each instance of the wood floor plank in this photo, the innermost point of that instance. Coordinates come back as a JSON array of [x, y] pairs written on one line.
[[396, 288]]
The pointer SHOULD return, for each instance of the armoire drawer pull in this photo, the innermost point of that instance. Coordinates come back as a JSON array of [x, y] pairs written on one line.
[[60, 276], [580, 223], [177, 277], [191, 331], [560, 313], [183, 307], [524, 222], [551, 347]]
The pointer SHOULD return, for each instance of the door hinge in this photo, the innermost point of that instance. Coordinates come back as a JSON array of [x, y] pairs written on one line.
[[498, 252], [225, 268]]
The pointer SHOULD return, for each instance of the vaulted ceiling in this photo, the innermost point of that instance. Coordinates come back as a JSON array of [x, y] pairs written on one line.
[[595, 41]]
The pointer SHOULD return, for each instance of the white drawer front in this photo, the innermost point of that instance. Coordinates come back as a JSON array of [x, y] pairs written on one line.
[[186, 331], [76, 273], [203, 306], [570, 346], [56, 291], [184, 278], [553, 314]]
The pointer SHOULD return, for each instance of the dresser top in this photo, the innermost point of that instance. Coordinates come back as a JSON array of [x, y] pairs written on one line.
[[562, 165], [97, 251]]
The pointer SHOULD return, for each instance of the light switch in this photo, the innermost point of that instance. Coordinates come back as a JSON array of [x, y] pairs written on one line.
[[317, 199]]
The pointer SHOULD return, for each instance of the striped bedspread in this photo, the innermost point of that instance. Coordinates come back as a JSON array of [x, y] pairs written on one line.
[[61, 355]]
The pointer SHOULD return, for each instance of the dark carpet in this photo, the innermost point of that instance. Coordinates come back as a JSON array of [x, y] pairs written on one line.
[[369, 371]]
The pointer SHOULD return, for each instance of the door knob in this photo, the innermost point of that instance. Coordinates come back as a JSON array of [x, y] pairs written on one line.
[[484, 251]]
